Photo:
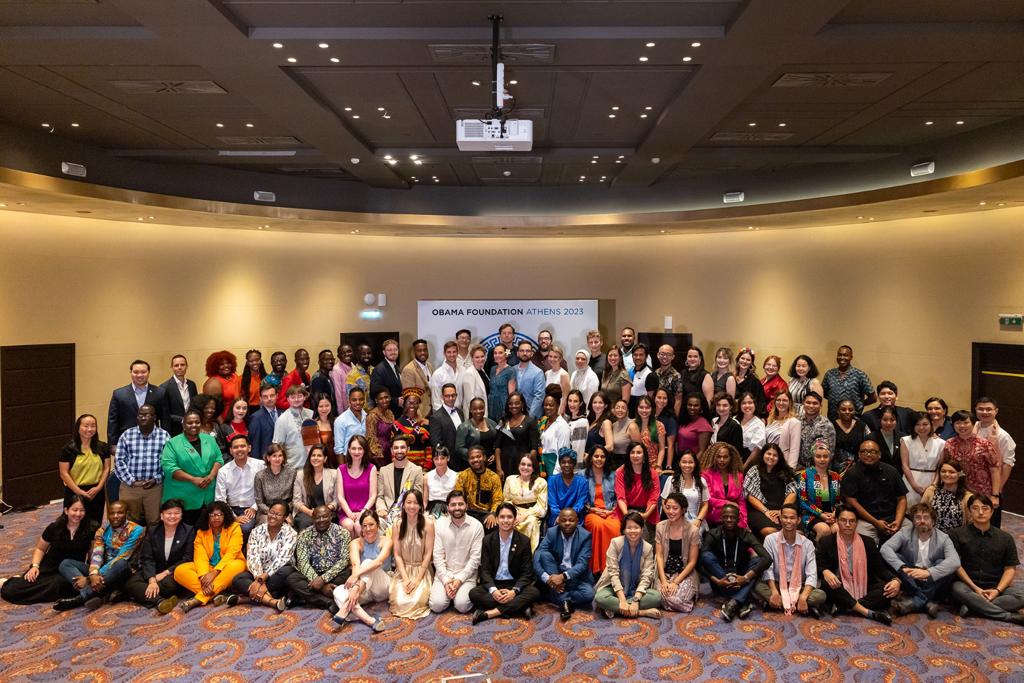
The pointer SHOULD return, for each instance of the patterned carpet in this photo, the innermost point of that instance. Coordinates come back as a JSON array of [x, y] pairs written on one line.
[[126, 642]]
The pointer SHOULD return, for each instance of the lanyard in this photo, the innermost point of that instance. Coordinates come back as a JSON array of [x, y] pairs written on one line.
[[735, 552]]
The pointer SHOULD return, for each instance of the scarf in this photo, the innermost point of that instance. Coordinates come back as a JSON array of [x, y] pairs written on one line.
[[790, 586], [631, 567], [215, 557], [855, 574]]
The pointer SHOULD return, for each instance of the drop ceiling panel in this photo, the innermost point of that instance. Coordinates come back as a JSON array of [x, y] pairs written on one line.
[[63, 13], [929, 11], [994, 82], [632, 91], [829, 86]]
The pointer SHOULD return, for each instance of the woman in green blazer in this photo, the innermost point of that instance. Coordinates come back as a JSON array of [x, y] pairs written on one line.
[[191, 461]]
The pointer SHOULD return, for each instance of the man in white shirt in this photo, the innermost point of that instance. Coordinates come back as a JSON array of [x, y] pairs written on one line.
[[447, 373], [457, 542], [791, 582], [645, 380], [986, 409], [235, 483], [288, 429], [463, 340]]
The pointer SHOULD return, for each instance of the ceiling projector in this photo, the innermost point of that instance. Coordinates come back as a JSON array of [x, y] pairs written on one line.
[[494, 135]]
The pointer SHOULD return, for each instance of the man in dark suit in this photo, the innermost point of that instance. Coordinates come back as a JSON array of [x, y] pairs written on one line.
[[562, 562], [506, 580], [444, 422], [386, 375], [261, 423], [123, 411], [153, 585], [177, 394]]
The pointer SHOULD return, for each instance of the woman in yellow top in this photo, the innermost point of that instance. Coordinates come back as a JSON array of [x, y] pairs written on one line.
[[217, 558], [84, 465]]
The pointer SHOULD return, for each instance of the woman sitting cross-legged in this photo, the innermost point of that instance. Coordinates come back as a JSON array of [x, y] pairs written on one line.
[[677, 549], [268, 562], [166, 545], [217, 558], [625, 588], [369, 582]]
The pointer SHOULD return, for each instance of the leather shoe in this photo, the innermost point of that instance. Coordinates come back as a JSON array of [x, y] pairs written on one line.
[[95, 602], [64, 604], [528, 613], [566, 612], [729, 610], [166, 605], [932, 609], [880, 617], [1016, 618], [814, 612], [479, 616]]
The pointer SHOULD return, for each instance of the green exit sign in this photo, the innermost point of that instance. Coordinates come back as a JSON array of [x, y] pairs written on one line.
[[1011, 319]]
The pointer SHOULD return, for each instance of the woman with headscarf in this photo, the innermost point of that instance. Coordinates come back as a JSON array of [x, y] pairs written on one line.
[[583, 378]]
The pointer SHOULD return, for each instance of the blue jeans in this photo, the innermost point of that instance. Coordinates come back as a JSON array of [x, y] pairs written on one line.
[[113, 575], [577, 593], [923, 592], [714, 568]]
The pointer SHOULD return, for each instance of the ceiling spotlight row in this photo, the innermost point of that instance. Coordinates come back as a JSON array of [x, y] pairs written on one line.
[[649, 44]]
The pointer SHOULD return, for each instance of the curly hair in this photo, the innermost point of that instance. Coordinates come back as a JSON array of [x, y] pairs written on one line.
[[214, 360]]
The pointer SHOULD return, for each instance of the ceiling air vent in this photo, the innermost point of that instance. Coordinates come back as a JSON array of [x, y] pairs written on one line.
[[169, 87], [826, 79], [268, 140], [744, 136], [511, 53]]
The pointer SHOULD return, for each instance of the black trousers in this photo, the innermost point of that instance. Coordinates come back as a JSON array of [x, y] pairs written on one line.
[[277, 583], [137, 584], [302, 593], [841, 598], [482, 599]]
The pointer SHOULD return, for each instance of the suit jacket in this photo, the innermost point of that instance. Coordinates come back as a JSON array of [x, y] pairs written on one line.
[[412, 376], [828, 558], [171, 408], [520, 561], [322, 384], [530, 383], [384, 376], [612, 575], [152, 560], [548, 558], [904, 420], [901, 551], [442, 430], [412, 478], [732, 433], [123, 410], [261, 431], [471, 386]]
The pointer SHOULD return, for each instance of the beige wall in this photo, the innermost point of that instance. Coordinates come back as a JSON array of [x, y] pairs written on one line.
[[910, 296]]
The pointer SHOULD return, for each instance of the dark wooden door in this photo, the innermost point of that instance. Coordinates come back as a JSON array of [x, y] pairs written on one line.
[[998, 372], [37, 408]]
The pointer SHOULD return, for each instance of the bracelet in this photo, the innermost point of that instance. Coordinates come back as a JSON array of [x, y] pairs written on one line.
[[34, 565]]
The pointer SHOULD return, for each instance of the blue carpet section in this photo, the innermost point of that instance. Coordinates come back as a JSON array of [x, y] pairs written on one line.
[[126, 642]]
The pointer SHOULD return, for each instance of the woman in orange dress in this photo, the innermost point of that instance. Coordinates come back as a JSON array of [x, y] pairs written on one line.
[[601, 515], [222, 381]]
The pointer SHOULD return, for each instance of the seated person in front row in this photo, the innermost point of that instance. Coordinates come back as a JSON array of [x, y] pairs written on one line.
[[369, 581], [791, 583], [458, 539], [876, 492], [676, 551], [321, 562], [109, 562], [217, 556], [267, 560], [854, 576], [506, 581], [733, 559], [236, 483], [482, 488], [925, 560], [984, 582], [70, 537], [562, 562], [626, 585], [153, 584]]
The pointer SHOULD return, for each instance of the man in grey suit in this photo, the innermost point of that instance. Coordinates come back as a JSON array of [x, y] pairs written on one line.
[[123, 413], [925, 560]]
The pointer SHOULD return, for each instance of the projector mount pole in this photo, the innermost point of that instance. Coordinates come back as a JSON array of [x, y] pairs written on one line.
[[497, 82]]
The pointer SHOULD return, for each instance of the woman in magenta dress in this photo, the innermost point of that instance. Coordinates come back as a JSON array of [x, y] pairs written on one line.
[[722, 472], [357, 484]]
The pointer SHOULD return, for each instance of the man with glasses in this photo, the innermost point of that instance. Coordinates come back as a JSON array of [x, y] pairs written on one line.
[[877, 492], [530, 380], [669, 378], [925, 560], [984, 584]]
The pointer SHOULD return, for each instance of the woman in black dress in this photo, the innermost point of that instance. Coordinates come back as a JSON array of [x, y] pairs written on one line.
[[850, 432], [70, 537], [519, 435]]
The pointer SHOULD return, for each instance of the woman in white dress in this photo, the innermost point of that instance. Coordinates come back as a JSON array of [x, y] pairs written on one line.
[[920, 456], [556, 375], [583, 378]]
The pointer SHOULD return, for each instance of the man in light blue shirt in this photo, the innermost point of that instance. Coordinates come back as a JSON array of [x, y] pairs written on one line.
[[530, 380], [350, 422], [562, 562]]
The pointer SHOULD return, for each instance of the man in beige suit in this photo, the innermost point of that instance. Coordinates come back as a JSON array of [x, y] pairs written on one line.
[[417, 372], [394, 480]]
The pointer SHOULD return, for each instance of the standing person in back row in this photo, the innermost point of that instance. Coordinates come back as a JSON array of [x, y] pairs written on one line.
[[177, 394], [124, 407], [137, 465], [416, 374], [986, 409], [847, 383], [506, 336], [386, 375]]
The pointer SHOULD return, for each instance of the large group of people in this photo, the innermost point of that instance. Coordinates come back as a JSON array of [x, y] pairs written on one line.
[[501, 478]]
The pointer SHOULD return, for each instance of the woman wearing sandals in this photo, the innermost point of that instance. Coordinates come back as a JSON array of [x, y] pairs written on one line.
[[369, 582], [268, 560]]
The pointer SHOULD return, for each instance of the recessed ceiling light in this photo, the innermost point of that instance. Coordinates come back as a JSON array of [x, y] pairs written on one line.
[[418, 162], [695, 44], [220, 125], [860, 218], [643, 59], [618, 161], [513, 82], [648, 108], [752, 124], [436, 180], [151, 218], [46, 125], [782, 125], [278, 45], [662, 232], [615, 108], [74, 125], [982, 203], [355, 116], [506, 173], [583, 177], [323, 46], [959, 123], [348, 108], [415, 180], [392, 161], [622, 156], [413, 157], [1001, 204], [335, 60], [292, 60], [687, 58], [477, 83], [650, 44], [593, 161], [611, 116], [750, 227], [140, 218], [434, 177], [929, 123], [643, 116], [380, 108], [596, 156], [3, 206], [388, 157], [871, 218], [250, 125], [604, 177]]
